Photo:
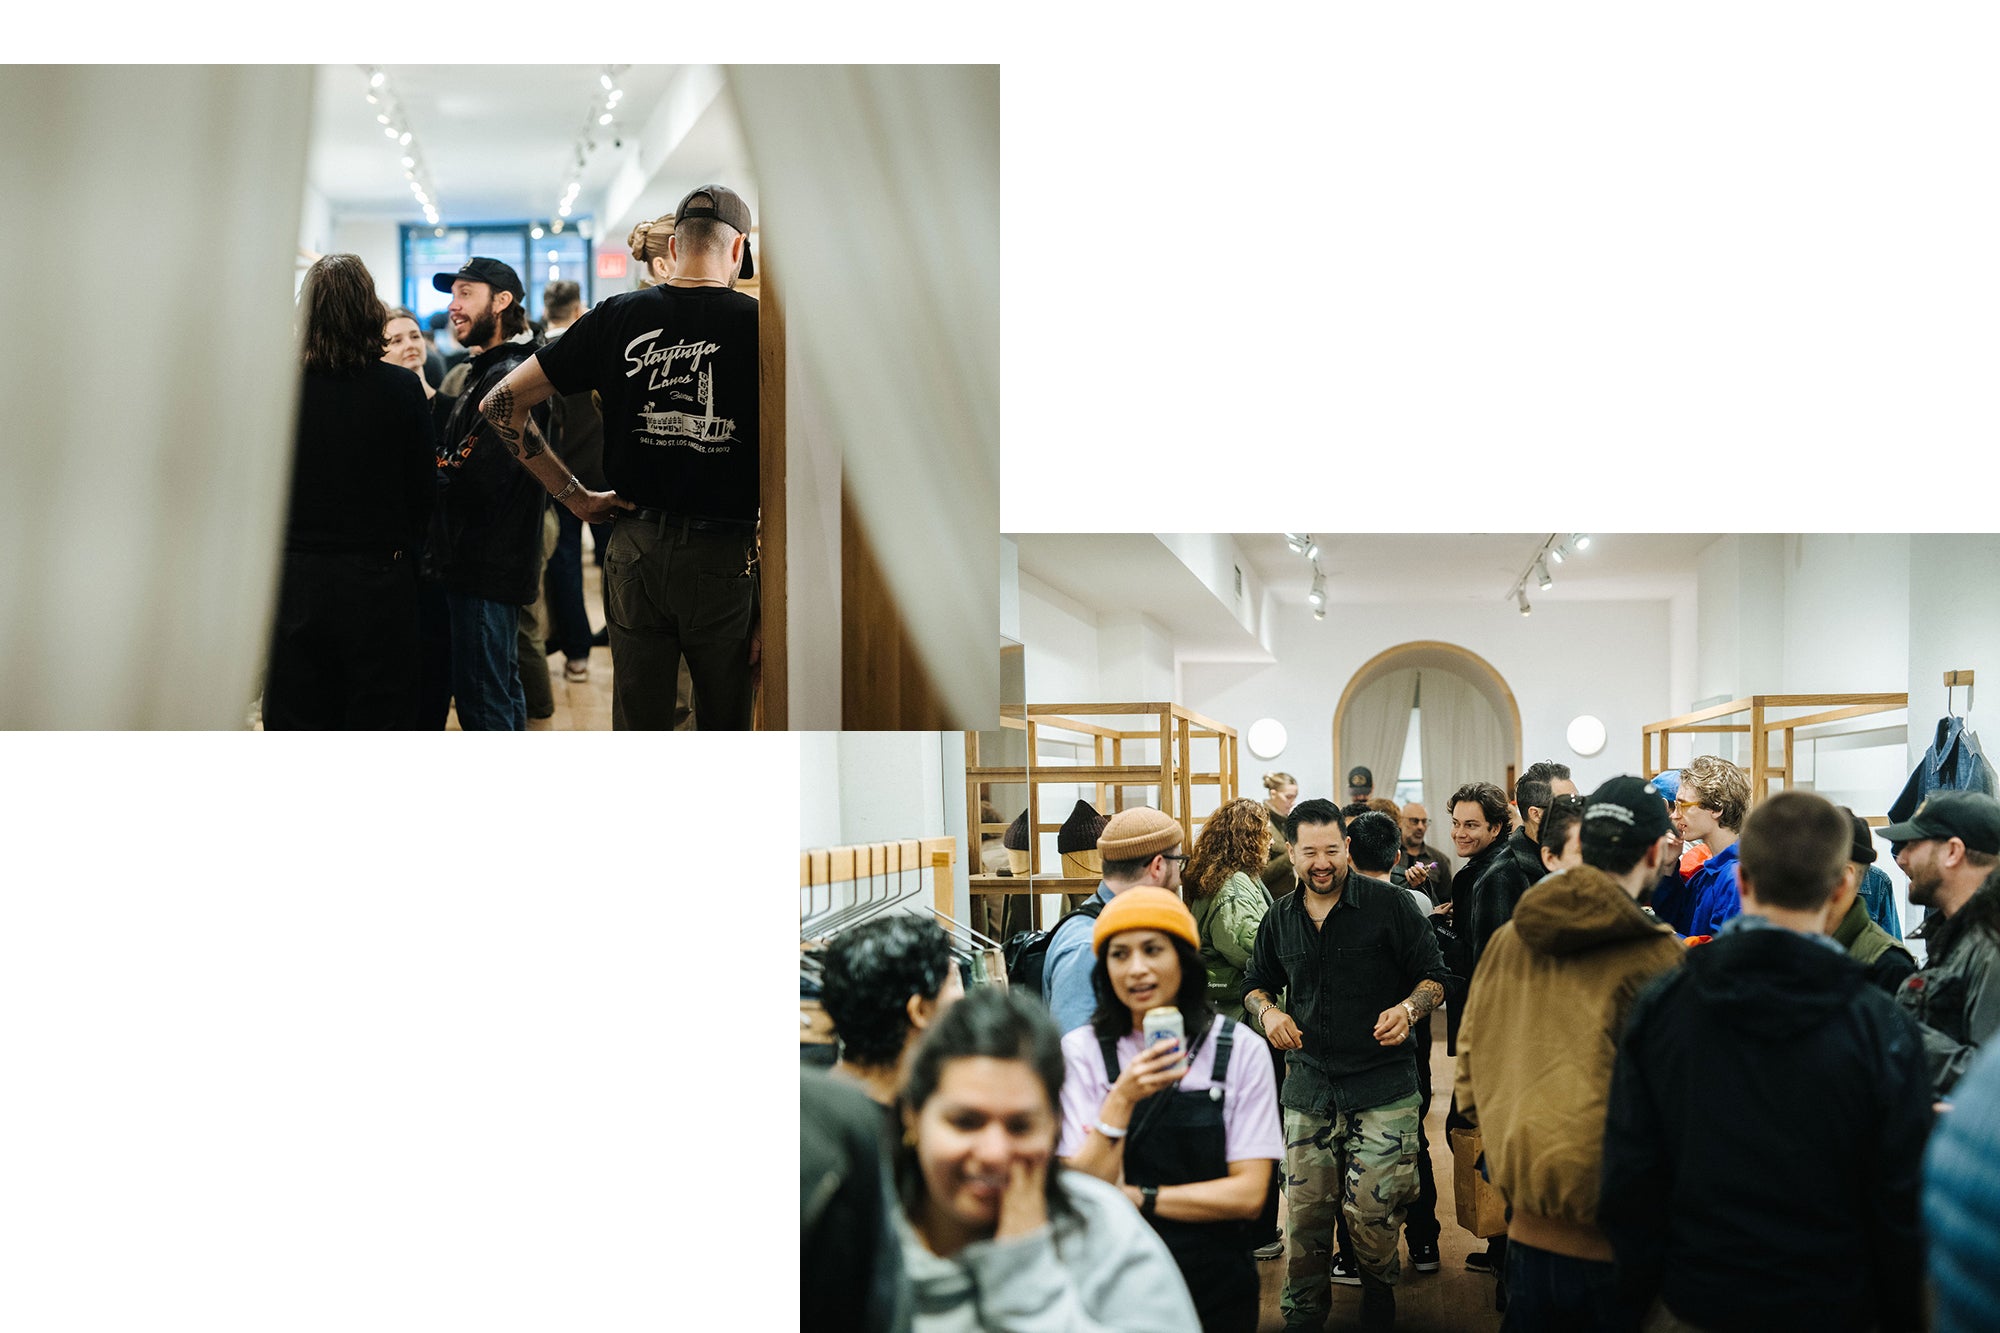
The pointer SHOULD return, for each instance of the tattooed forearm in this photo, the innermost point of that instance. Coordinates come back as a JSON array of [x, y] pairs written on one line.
[[534, 443], [524, 441], [1427, 996], [1256, 1002]]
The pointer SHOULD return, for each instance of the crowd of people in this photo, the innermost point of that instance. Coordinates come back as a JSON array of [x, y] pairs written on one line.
[[433, 556], [1699, 1071]]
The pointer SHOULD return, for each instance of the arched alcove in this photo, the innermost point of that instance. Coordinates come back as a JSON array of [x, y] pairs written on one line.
[[1433, 655]]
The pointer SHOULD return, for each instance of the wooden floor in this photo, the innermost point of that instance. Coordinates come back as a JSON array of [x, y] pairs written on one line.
[[1449, 1299]]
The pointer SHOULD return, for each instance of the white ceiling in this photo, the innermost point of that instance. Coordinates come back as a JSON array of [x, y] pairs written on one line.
[[500, 142], [1122, 573], [1431, 567]]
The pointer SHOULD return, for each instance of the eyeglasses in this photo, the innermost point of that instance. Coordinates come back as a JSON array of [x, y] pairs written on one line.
[[1688, 805], [1183, 858]]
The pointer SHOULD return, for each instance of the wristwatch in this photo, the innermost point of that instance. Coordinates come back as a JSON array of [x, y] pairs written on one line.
[[1149, 1199], [1411, 1010]]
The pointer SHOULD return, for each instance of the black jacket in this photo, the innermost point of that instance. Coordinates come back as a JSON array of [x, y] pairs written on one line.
[[363, 463], [1764, 1144], [1499, 886], [487, 540], [1337, 979]]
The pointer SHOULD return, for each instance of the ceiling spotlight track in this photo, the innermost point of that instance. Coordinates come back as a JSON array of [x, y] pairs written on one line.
[[1302, 543], [599, 121], [1555, 548], [395, 127]]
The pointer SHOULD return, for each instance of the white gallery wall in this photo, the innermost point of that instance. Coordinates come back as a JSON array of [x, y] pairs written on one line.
[[883, 786], [1608, 659]]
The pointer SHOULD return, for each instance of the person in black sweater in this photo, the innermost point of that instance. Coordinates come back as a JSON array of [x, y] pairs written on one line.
[[1768, 1111], [343, 650]]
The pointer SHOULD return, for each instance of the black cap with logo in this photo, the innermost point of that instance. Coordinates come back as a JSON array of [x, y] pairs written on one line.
[[725, 206], [500, 277], [1627, 812], [1360, 779]]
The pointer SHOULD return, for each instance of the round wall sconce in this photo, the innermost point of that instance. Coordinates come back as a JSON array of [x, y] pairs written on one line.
[[1266, 738], [1586, 735]]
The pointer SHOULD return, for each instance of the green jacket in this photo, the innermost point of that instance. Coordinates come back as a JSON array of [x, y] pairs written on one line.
[[1228, 921], [1887, 961]]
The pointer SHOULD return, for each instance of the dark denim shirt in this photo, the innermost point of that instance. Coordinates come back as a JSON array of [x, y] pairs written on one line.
[[1337, 979]]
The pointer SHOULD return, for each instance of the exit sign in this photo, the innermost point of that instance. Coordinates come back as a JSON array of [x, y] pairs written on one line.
[[610, 263]]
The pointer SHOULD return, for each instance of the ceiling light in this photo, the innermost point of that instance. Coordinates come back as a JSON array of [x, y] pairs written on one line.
[[553, 256], [1312, 550], [376, 79], [604, 79], [604, 119], [564, 210], [405, 140], [1582, 542], [373, 99], [409, 162], [1542, 577], [556, 226], [1318, 594], [555, 271], [612, 98], [390, 131], [440, 230], [1298, 541], [1558, 551], [1320, 614], [535, 232], [1521, 599]]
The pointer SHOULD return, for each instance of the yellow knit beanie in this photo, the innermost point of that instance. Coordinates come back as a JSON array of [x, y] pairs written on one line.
[[1145, 909]]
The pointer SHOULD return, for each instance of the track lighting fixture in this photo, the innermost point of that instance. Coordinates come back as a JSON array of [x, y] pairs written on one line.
[[1298, 541], [1581, 541], [1318, 594], [1543, 579], [1319, 613], [1521, 599]]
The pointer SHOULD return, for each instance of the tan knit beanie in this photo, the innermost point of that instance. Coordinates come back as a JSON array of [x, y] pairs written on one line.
[[1141, 832]]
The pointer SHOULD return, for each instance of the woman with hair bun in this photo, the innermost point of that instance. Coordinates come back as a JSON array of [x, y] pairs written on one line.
[[344, 646], [997, 1234], [649, 248], [1281, 792]]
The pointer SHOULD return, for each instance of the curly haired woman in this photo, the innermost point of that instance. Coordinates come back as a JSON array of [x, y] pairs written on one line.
[[1227, 897]]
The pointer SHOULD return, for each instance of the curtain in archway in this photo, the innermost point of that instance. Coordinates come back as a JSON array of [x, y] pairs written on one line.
[[1373, 731], [1461, 739]]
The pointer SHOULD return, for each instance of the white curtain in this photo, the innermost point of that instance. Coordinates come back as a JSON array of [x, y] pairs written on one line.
[[1374, 730], [1461, 739], [150, 382], [883, 189]]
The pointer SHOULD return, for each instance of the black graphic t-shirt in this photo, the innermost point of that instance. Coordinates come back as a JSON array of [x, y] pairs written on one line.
[[677, 369]]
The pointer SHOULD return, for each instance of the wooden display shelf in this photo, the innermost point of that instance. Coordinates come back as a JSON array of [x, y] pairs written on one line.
[[1176, 730], [1761, 727]]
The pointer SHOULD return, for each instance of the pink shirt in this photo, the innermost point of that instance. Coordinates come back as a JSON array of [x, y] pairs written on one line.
[[1249, 1096]]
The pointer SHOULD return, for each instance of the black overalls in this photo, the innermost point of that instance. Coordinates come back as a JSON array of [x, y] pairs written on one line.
[[1179, 1138]]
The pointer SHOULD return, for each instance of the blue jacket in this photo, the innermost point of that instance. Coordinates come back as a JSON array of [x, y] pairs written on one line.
[[1712, 893], [1066, 969], [1953, 763], [1962, 1204], [1878, 896]]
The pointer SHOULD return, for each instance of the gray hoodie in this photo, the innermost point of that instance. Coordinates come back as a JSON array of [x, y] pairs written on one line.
[[1109, 1272]]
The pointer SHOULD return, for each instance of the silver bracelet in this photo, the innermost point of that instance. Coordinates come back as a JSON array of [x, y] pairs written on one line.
[[569, 490], [1110, 1131]]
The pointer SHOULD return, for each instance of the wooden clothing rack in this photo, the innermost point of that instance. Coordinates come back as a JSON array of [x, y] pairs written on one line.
[[890, 864], [1761, 726], [1108, 729]]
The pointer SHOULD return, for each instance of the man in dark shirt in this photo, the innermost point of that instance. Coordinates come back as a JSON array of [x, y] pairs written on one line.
[[487, 538], [1359, 968], [676, 368]]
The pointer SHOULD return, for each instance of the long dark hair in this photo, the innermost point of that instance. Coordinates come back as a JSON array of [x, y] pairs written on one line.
[[343, 319], [1113, 1019], [1000, 1024]]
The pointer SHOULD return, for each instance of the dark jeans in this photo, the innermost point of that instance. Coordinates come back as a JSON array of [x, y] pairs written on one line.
[[344, 648], [674, 592], [485, 669], [1556, 1293], [563, 585]]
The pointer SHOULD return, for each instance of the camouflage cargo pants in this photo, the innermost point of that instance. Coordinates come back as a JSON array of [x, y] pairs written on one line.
[[1362, 1161]]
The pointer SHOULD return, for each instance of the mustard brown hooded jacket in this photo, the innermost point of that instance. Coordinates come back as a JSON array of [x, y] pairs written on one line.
[[1538, 1043]]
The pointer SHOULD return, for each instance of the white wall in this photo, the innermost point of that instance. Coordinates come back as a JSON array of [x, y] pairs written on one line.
[[1061, 646], [378, 240], [879, 786], [1605, 658], [1954, 625]]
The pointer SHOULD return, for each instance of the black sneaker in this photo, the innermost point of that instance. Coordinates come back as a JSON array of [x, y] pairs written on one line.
[[1272, 1250], [1424, 1258], [1480, 1261], [1344, 1272]]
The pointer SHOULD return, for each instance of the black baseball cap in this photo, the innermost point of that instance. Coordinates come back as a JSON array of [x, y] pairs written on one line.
[[500, 277], [1360, 777], [725, 206], [1971, 817], [1863, 849], [1628, 811]]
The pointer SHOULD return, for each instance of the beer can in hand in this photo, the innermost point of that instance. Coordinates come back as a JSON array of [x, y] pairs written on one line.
[[1165, 1022]]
